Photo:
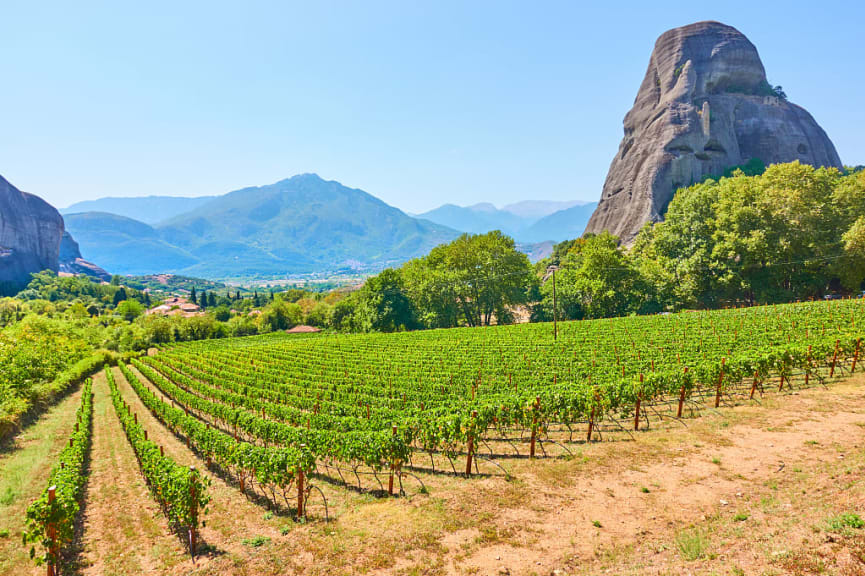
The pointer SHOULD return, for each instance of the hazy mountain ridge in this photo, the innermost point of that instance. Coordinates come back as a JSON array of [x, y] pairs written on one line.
[[527, 222], [297, 225], [148, 209]]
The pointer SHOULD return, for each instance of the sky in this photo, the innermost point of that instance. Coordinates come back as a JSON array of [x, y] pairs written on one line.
[[418, 103]]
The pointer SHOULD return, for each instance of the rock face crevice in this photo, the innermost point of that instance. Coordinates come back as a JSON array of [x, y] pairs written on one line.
[[30, 234], [705, 105]]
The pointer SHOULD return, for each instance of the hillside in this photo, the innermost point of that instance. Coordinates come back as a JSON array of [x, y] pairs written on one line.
[[527, 222], [147, 209], [124, 246], [562, 225], [476, 219], [298, 225]]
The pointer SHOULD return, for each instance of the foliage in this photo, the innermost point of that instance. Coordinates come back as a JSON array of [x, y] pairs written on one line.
[[181, 491], [68, 480], [789, 233], [340, 395]]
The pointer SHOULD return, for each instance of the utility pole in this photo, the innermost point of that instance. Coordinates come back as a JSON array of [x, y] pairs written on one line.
[[555, 309], [552, 269]]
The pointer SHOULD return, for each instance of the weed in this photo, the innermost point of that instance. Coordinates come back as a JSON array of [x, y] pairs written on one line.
[[842, 521], [716, 461], [285, 530], [740, 517], [268, 515], [4, 533], [256, 542], [692, 544], [644, 490], [596, 524]]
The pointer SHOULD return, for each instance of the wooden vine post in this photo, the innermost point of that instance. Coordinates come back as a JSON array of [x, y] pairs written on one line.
[[681, 398], [834, 359], [808, 371], [637, 405], [720, 381], [470, 448], [193, 510], [856, 355], [754, 384], [52, 535], [300, 511], [392, 465], [534, 426]]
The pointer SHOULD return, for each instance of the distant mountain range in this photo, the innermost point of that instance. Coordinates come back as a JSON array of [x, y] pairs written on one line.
[[147, 209], [527, 222], [298, 225]]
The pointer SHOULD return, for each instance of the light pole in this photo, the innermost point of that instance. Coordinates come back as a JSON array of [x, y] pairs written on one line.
[[552, 269]]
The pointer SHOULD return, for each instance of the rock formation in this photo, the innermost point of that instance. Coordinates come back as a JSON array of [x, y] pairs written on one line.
[[71, 262], [705, 105], [30, 233]]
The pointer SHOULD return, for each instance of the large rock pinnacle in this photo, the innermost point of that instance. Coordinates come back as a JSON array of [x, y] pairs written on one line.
[[705, 105], [30, 233]]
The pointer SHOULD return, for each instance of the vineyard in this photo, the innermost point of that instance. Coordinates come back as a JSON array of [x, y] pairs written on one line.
[[349, 407], [284, 420]]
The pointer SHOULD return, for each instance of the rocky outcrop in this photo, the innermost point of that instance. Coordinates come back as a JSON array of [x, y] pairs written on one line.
[[704, 105], [30, 233], [71, 262]]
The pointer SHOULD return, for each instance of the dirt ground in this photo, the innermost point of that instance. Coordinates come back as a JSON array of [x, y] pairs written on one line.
[[770, 488]]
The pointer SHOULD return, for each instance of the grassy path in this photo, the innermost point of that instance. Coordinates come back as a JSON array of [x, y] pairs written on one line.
[[24, 471], [124, 531], [232, 518]]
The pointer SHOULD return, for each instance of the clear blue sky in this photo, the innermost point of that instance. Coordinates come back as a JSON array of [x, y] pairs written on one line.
[[418, 103]]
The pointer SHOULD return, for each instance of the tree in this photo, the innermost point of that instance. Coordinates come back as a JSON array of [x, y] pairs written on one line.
[[384, 305], [221, 313], [129, 310], [202, 301], [475, 278], [211, 300], [119, 296], [597, 279], [280, 315], [193, 296]]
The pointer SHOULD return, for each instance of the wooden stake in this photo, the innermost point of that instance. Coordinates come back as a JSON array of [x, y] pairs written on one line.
[[300, 511], [193, 513], [470, 448], [720, 380], [754, 385], [534, 428], [591, 424], [834, 359], [681, 398], [856, 355], [390, 481], [52, 534]]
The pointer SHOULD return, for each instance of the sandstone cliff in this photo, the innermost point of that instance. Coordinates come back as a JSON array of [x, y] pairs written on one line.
[[704, 105], [30, 233], [71, 262]]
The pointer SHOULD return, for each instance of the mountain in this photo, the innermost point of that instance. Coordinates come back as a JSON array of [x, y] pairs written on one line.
[[562, 225], [298, 225], [147, 209], [30, 234], [704, 105], [553, 225], [476, 219], [536, 209], [123, 245]]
